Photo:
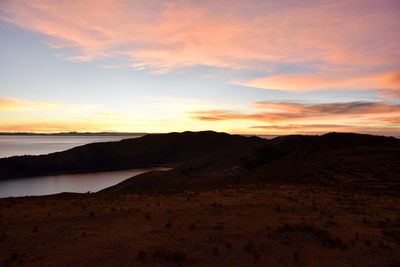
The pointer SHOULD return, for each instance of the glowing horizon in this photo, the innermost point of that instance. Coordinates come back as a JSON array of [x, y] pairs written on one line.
[[256, 67]]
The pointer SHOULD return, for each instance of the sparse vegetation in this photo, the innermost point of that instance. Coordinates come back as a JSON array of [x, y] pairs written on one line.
[[320, 234], [249, 247], [172, 256], [245, 229], [141, 256], [147, 216]]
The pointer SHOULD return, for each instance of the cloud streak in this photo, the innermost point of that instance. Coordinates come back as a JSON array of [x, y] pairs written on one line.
[[377, 117], [323, 128], [346, 44], [15, 104], [12, 105], [388, 82], [280, 111]]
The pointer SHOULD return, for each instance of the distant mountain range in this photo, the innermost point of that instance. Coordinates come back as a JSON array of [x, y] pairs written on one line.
[[210, 159], [74, 134]]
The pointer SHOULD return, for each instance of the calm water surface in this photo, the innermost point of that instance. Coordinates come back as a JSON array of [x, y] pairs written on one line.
[[45, 185], [78, 183], [17, 145]]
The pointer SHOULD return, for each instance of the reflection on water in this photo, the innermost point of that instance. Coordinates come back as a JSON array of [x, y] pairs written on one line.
[[79, 183], [16, 145]]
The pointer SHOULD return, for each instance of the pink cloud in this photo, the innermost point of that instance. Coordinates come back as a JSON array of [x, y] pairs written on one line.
[[282, 117], [388, 82], [324, 128], [357, 107], [162, 35]]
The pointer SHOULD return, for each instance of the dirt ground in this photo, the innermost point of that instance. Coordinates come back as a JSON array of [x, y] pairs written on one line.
[[271, 225]]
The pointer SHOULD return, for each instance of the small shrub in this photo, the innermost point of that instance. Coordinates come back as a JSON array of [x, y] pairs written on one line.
[[296, 256], [215, 250], [175, 256], [249, 247], [325, 238], [147, 216], [219, 226], [172, 256], [141, 256], [256, 256], [14, 256]]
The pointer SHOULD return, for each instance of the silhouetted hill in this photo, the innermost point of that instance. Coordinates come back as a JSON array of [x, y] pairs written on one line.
[[150, 150], [330, 159]]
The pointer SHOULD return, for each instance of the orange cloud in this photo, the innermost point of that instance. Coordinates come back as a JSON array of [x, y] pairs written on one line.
[[15, 104], [52, 127], [357, 107], [306, 82], [215, 115], [162, 36], [324, 128], [372, 117], [276, 111], [302, 127], [11, 104], [393, 86]]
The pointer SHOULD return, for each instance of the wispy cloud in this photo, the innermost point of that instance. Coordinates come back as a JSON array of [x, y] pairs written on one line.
[[302, 127], [391, 130], [389, 82], [357, 107], [15, 104], [11, 104], [378, 117], [280, 111], [357, 39], [51, 126]]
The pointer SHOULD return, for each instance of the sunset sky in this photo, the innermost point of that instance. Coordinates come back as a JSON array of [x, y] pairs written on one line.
[[257, 67]]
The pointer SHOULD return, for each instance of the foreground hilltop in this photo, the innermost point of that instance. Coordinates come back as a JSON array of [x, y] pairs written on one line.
[[330, 200], [330, 159], [263, 225], [150, 150]]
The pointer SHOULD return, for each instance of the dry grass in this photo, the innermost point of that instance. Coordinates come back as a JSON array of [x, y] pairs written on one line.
[[248, 226]]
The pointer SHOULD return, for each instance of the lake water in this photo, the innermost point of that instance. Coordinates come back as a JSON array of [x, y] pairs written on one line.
[[12, 145], [17, 145], [77, 183]]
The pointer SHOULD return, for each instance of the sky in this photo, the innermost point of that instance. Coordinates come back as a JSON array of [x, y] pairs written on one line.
[[250, 66]]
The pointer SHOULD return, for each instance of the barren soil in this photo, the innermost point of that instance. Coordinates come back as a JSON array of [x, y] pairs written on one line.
[[270, 225]]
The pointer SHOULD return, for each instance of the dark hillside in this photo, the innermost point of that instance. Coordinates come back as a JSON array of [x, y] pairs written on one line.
[[153, 149], [330, 159], [333, 158]]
